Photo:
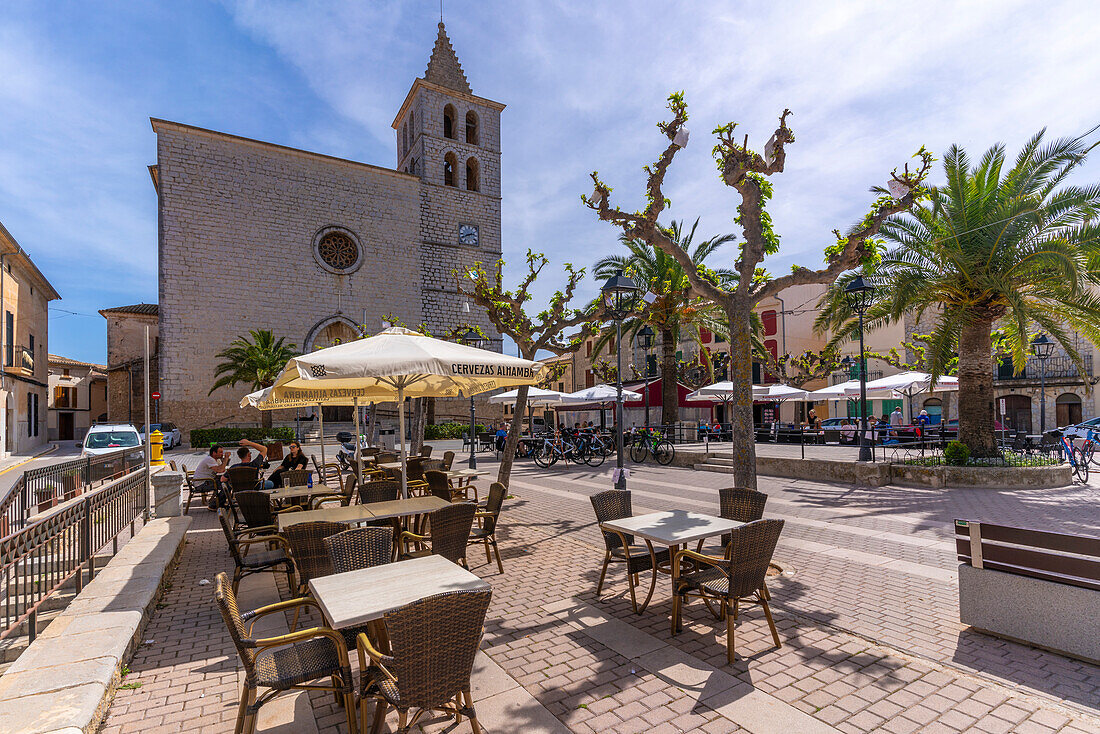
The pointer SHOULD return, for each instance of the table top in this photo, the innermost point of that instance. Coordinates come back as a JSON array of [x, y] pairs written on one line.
[[389, 465], [402, 508], [354, 598], [675, 527], [349, 514], [286, 493], [467, 473]]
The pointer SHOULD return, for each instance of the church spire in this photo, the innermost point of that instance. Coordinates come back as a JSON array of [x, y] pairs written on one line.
[[443, 66]]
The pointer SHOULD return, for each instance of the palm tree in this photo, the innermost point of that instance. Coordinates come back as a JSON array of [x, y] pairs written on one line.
[[256, 363], [674, 312], [992, 248]]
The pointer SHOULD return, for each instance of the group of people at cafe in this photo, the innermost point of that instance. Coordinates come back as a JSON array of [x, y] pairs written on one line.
[[210, 475]]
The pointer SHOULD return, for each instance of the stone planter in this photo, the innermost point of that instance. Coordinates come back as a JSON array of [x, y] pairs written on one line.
[[963, 477]]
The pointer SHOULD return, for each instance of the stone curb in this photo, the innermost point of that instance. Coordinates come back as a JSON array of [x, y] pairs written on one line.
[[65, 680]]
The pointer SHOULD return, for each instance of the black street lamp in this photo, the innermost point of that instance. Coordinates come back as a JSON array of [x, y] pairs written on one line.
[[860, 295], [472, 339], [1043, 348], [620, 296], [645, 341]]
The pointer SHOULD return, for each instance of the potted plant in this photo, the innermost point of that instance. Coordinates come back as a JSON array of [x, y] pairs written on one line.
[[70, 483]]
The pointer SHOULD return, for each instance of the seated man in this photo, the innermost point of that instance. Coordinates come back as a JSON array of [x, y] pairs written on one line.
[[208, 473], [501, 435], [294, 459], [246, 459], [847, 432]]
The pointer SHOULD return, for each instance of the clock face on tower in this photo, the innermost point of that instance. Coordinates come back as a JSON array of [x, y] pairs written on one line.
[[467, 234]]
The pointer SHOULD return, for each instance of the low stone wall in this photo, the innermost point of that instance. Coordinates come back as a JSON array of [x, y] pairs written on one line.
[[1037, 612], [65, 680], [963, 477]]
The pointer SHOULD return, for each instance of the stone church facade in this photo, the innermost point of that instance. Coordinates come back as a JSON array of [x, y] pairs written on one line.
[[318, 249]]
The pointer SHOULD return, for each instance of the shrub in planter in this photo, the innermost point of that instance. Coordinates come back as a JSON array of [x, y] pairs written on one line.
[[956, 453], [202, 437], [450, 430]]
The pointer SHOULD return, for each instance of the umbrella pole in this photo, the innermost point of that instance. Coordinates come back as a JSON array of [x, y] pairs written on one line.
[[401, 430], [321, 425], [358, 454]]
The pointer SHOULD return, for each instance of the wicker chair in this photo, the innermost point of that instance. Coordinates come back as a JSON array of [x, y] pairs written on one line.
[[287, 662], [381, 490], [448, 533], [172, 465], [386, 457], [448, 460], [295, 477], [243, 478], [614, 504], [191, 490], [742, 505], [343, 499], [731, 578], [364, 547], [487, 531], [439, 485], [433, 643], [255, 508], [247, 564], [307, 548], [425, 451]]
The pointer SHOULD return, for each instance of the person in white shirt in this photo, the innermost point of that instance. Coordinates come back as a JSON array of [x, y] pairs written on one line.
[[208, 472], [896, 420]]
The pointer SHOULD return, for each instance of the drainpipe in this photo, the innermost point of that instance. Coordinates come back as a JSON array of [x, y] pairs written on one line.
[[783, 334]]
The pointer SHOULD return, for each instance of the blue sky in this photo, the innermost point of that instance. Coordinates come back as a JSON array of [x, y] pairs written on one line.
[[868, 82]]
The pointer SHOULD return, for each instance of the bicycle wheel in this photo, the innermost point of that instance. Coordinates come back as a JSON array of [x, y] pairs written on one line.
[[544, 455], [594, 457], [1081, 467], [1089, 450], [664, 452], [605, 446], [638, 451]]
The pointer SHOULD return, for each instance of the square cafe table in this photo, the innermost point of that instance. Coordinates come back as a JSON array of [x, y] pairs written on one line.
[[362, 513], [673, 528], [289, 493], [354, 598], [404, 508]]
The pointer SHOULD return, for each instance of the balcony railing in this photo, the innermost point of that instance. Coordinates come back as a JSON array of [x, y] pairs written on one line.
[[1055, 368], [19, 360]]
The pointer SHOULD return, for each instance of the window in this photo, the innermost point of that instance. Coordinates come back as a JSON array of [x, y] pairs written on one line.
[[704, 335], [471, 127], [404, 139], [64, 397], [773, 349], [561, 387], [589, 378], [338, 251], [30, 344], [32, 414], [9, 339], [472, 182], [769, 318], [449, 122], [449, 165], [65, 372], [588, 348]]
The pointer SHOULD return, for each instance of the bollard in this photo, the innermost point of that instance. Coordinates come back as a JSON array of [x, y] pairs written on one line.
[[166, 493]]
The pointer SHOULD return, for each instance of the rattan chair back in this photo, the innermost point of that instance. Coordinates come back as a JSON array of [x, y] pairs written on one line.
[[172, 465], [612, 504], [231, 614], [243, 478], [438, 484], [358, 548], [227, 528], [750, 551], [495, 501], [386, 457], [255, 508], [432, 465], [295, 477], [426, 451], [307, 546], [380, 490], [433, 642], [450, 530], [448, 460], [415, 466], [742, 505]]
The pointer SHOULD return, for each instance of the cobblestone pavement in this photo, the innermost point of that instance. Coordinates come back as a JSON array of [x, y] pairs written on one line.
[[868, 616]]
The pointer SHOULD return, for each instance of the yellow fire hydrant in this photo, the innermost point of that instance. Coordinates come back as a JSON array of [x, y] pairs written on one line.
[[156, 441]]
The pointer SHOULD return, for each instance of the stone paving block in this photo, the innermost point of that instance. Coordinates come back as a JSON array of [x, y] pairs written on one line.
[[61, 709]]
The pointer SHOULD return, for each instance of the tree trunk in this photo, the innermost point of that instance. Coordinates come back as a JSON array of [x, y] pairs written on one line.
[[505, 471], [430, 418], [976, 390], [372, 424], [265, 418], [417, 425], [670, 400], [744, 434]]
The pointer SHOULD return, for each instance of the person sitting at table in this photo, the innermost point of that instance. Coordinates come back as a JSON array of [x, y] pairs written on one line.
[[208, 472], [704, 430], [501, 435], [812, 421], [847, 432], [294, 459], [245, 458]]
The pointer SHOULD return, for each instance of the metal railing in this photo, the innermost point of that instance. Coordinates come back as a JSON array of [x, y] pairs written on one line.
[[39, 560], [1054, 369], [44, 487], [26, 359]]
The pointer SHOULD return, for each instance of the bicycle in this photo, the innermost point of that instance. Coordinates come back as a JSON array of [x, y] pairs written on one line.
[[555, 448], [590, 448], [1075, 457], [1088, 450], [646, 442]]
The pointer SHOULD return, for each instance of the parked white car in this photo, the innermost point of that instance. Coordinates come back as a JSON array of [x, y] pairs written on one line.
[[104, 439], [1081, 430], [172, 435]]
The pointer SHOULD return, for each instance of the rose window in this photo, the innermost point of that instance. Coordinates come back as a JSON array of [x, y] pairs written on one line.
[[338, 251]]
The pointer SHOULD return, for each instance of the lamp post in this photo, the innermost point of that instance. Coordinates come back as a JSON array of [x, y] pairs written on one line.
[[859, 296], [645, 341], [1042, 347], [620, 295], [473, 339]]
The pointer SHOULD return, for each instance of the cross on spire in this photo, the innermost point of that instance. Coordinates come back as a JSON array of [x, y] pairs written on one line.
[[443, 67]]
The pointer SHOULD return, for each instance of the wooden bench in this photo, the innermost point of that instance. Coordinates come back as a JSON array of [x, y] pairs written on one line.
[[1035, 586]]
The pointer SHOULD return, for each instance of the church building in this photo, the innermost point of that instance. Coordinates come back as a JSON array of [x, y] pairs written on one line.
[[318, 249]]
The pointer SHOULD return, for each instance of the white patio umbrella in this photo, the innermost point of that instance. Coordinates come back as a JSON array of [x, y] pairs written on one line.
[[907, 385], [395, 364], [720, 391], [778, 393], [535, 396], [603, 395], [835, 392]]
